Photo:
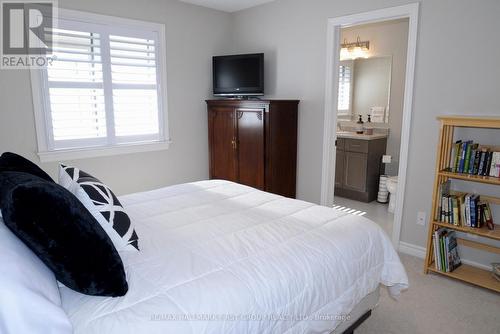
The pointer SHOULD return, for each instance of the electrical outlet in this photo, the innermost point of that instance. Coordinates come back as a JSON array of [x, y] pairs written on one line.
[[421, 218]]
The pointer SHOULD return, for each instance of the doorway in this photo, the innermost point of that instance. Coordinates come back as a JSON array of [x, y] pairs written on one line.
[[333, 115]]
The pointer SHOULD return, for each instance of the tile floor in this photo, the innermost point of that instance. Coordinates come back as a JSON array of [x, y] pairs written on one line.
[[373, 210]]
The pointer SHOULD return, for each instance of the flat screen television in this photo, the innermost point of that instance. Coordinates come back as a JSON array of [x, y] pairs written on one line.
[[238, 75]]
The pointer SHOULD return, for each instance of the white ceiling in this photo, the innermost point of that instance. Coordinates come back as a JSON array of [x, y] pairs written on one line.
[[227, 5]]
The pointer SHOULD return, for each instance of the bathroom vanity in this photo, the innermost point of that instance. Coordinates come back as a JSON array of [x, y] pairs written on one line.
[[358, 165]]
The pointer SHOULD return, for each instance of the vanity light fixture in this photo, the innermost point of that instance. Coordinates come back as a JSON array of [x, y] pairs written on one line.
[[354, 50]]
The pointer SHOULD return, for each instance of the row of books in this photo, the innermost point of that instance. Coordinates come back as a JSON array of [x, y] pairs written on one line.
[[471, 158], [446, 256], [464, 209]]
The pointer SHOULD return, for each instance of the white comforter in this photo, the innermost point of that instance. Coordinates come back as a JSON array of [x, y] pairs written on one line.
[[219, 257]]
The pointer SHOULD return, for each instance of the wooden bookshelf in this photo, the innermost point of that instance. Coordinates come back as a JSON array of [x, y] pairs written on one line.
[[466, 273]]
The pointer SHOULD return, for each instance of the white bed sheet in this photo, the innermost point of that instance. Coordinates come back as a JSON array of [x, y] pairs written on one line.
[[219, 257]]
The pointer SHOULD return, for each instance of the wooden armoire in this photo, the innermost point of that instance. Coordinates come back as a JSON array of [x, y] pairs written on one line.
[[254, 142]]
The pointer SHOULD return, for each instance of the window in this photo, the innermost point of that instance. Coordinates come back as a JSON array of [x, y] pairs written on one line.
[[345, 88], [105, 89]]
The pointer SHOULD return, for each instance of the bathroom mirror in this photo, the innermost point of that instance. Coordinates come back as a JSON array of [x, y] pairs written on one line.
[[365, 89]]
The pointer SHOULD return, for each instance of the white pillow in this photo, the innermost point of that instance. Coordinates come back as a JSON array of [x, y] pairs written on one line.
[[29, 297], [102, 203]]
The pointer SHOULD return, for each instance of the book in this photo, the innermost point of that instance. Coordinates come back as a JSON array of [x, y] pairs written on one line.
[[445, 208], [474, 200], [488, 218], [456, 156], [471, 159], [495, 164], [456, 211], [487, 167], [467, 210], [439, 214], [444, 191], [482, 161], [442, 252], [476, 162], [450, 209], [467, 157], [446, 251], [480, 214], [463, 152], [461, 204], [436, 252], [453, 259]]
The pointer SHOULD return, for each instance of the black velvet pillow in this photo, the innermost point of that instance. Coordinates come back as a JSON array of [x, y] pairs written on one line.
[[11, 162], [62, 233]]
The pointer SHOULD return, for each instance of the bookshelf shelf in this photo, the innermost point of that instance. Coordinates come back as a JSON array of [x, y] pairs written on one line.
[[482, 232], [443, 173], [473, 178], [470, 274]]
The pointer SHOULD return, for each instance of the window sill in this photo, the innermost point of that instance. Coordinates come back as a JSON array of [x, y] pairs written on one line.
[[94, 152]]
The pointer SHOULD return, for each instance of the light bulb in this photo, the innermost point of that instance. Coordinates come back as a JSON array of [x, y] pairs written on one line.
[[357, 52], [344, 54]]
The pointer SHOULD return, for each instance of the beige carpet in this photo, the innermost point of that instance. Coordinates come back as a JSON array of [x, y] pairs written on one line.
[[434, 304]]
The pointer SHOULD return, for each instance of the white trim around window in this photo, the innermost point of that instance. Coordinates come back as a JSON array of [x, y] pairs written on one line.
[[117, 41]]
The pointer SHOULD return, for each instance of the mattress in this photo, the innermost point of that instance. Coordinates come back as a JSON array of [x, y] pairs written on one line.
[[219, 257]]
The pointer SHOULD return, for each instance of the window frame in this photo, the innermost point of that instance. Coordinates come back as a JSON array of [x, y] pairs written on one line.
[[41, 102]]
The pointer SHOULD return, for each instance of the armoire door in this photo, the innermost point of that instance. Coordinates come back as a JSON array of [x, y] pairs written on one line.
[[250, 144], [222, 137]]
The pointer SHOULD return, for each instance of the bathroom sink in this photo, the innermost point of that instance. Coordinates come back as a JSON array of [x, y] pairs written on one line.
[[354, 135]]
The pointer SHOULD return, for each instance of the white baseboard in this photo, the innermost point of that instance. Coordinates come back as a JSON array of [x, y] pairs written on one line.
[[418, 251], [412, 249]]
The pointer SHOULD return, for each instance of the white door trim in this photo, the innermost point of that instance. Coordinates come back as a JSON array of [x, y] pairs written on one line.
[[409, 11]]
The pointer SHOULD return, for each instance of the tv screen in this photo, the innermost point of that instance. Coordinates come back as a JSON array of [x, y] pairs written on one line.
[[238, 75]]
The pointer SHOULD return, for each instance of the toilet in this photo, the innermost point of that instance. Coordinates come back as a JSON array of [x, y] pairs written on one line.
[[392, 186]]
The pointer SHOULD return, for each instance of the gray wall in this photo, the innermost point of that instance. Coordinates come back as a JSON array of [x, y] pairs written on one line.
[[452, 77], [193, 35]]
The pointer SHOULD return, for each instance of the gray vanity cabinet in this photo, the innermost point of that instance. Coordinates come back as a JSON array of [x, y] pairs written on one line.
[[339, 166], [355, 171], [357, 168]]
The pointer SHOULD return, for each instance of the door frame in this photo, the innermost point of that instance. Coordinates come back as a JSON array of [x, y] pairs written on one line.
[[335, 24]]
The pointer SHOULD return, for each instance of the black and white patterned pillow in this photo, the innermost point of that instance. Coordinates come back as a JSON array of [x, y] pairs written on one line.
[[102, 204]]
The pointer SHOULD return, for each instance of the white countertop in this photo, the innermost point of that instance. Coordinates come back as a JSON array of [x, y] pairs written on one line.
[[354, 135]]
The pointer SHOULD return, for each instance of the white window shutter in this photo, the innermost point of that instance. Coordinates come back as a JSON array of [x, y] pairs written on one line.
[[103, 86], [75, 87], [135, 88], [344, 96]]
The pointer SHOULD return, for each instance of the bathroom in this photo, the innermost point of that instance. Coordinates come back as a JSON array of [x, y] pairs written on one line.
[[371, 89]]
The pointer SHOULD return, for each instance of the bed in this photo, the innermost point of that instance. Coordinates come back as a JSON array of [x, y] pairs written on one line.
[[220, 257]]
